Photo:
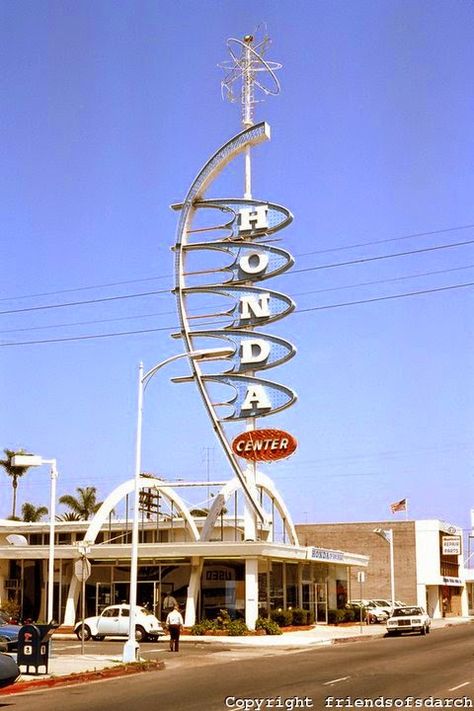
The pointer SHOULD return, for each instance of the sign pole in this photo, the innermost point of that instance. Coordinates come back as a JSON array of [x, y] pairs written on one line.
[[82, 571], [83, 602], [360, 580]]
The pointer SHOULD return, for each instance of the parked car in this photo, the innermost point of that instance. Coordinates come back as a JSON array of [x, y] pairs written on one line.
[[114, 622], [9, 635], [408, 619], [373, 612], [9, 671]]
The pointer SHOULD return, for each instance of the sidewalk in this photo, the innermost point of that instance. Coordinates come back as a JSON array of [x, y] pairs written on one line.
[[318, 635], [61, 666]]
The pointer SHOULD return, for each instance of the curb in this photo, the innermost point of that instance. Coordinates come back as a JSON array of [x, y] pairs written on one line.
[[80, 677]]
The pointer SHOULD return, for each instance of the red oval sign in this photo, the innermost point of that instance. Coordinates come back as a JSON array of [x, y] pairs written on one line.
[[264, 445]]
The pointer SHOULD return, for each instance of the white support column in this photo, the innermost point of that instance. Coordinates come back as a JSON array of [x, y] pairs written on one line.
[[71, 602], [193, 591], [300, 585], [251, 592], [250, 519]]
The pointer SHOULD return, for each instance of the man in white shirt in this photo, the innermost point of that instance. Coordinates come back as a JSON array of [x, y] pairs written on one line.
[[168, 605], [174, 622]]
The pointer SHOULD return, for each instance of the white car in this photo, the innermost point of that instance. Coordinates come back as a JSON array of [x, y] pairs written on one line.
[[374, 613], [114, 622], [408, 619]]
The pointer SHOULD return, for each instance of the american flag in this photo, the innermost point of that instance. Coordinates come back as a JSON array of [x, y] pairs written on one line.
[[399, 506]]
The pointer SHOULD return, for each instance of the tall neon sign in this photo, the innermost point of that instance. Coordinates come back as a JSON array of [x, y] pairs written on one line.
[[240, 231]]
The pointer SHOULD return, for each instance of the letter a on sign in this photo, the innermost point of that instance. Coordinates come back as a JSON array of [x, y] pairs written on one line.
[[256, 399]]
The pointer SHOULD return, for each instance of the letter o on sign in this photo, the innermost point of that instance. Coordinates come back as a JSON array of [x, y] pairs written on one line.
[[264, 445]]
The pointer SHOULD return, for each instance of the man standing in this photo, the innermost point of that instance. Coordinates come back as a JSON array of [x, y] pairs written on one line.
[[169, 603], [174, 622]]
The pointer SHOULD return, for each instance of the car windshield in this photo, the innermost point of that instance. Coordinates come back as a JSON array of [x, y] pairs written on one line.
[[144, 611], [407, 611], [381, 603]]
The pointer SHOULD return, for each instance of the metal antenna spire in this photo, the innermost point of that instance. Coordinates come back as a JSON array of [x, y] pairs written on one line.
[[245, 66]]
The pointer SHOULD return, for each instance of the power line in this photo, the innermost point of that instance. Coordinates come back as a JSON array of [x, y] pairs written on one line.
[[81, 303], [363, 260], [289, 273], [297, 311], [156, 314], [390, 239], [85, 288], [384, 298], [301, 254]]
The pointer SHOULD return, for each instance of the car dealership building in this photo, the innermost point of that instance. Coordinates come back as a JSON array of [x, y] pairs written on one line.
[[206, 564]]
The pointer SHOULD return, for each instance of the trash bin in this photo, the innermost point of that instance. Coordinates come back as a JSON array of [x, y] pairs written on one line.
[[33, 646]]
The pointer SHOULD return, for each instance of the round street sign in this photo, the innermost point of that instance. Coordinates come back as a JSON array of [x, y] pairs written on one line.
[[264, 445], [82, 568]]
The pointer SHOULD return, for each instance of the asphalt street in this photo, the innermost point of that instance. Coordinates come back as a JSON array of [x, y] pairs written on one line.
[[203, 678]]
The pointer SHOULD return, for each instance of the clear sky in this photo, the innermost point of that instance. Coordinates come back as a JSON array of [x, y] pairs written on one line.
[[109, 110]]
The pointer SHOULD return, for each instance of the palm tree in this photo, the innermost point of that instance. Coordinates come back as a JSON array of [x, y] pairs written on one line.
[[85, 504], [14, 472], [69, 516], [33, 513]]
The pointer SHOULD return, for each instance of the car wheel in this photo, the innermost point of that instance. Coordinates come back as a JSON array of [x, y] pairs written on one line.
[[428, 629], [140, 634], [423, 630], [83, 632], [98, 637]]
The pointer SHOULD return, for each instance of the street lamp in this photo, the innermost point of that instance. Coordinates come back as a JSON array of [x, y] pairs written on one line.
[[388, 537], [32, 460], [131, 646]]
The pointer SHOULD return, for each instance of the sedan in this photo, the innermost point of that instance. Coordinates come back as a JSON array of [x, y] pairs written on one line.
[[114, 622], [9, 636], [408, 619]]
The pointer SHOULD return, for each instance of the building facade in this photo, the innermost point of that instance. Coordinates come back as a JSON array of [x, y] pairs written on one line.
[[428, 561], [205, 567]]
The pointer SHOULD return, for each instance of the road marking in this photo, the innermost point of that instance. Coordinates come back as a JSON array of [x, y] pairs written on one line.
[[334, 681], [459, 686]]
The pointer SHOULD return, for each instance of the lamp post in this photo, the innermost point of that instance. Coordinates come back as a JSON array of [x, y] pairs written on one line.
[[388, 537], [32, 460], [131, 646]]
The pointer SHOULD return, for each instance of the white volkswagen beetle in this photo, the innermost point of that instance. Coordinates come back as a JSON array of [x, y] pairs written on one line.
[[114, 622]]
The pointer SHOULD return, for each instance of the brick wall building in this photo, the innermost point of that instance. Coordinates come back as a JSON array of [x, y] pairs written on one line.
[[361, 538], [424, 574]]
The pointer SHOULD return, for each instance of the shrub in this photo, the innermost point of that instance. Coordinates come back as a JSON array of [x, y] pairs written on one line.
[[237, 628], [283, 618], [223, 620], [302, 617], [349, 615], [336, 616], [202, 627], [270, 626], [299, 616]]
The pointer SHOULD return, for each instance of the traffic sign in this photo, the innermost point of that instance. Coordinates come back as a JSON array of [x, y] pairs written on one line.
[[82, 569]]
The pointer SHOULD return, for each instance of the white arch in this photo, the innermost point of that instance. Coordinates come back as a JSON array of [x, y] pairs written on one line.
[[126, 488], [101, 517], [264, 482]]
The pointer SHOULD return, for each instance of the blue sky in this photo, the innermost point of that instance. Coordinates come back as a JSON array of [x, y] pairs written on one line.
[[108, 112]]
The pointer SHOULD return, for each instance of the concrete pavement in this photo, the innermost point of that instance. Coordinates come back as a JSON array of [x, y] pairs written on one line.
[[64, 665]]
